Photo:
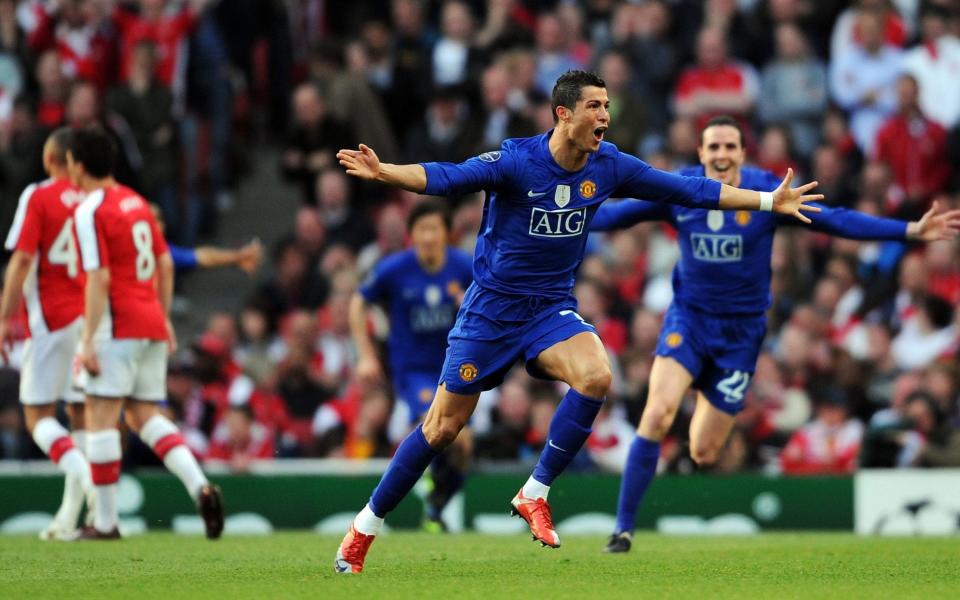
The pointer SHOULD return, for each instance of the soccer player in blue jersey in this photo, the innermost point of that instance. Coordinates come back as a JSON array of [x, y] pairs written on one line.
[[542, 193], [713, 330], [421, 289]]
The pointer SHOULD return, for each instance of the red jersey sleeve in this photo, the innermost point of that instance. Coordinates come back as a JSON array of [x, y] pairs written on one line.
[[25, 232]]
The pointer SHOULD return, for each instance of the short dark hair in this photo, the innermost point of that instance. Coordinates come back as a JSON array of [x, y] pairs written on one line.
[[95, 150], [60, 140], [430, 206], [569, 89], [723, 121]]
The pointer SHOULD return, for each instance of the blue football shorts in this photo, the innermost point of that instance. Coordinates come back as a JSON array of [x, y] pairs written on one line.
[[493, 331], [720, 352]]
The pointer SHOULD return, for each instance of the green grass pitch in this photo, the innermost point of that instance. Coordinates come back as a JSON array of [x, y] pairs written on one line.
[[417, 565]]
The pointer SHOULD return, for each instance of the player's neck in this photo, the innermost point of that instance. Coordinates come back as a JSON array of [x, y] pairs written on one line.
[[58, 173], [734, 181], [565, 153], [432, 264], [90, 184]]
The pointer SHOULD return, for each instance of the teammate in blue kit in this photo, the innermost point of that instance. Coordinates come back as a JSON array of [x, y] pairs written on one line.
[[542, 193], [421, 288], [713, 330]]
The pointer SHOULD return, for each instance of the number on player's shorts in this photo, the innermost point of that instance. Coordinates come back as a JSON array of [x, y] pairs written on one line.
[[143, 240], [733, 386], [64, 249]]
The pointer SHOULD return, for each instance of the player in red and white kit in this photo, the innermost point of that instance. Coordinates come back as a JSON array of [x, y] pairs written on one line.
[[44, 274], [126, 332]]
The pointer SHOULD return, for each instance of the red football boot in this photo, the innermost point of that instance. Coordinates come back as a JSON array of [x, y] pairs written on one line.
[[537, 515], [352, 552]]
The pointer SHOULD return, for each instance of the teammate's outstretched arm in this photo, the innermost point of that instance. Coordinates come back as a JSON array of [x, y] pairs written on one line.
[[934, 225], [784, 200], [855, 225], [364, 163]]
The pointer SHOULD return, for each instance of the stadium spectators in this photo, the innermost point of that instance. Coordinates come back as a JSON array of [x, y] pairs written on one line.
[[868, 318]]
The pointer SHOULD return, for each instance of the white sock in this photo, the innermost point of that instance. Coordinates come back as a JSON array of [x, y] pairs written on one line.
[[184, 465], [105, 516], [103, 448], [159, 433], [534, 489], [74, 487], [368, 523]]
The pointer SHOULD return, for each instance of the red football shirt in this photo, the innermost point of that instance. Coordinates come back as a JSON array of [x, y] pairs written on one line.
[[116, 231], [43, 227]]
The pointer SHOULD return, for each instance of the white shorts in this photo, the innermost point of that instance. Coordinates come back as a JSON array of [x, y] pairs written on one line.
[[129, 368], [48, 366]]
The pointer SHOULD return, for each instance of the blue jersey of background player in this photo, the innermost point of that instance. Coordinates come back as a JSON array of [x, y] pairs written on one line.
[[542, 193], [421, 289], [713, 330]]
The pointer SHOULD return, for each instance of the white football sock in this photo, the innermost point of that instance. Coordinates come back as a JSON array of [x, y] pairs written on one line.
[[103, 448], [368, 523], [164, 437], [534, 489], [57, 443]]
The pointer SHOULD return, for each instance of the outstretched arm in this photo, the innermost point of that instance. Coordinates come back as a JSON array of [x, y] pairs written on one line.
[[484, 172], [784, 200], [640, 180], [365, 164], [855, 225], [627, 213]]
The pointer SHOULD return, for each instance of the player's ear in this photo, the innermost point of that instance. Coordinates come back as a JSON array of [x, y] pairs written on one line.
[[563, 113]]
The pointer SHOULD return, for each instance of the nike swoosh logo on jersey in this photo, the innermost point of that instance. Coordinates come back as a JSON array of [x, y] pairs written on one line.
[[685, 217], [533, 194], [552, 445]]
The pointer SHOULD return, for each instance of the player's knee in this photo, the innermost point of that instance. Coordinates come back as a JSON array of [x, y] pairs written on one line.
[[704, 455], [594, 379], [441, 433], [658, 419]]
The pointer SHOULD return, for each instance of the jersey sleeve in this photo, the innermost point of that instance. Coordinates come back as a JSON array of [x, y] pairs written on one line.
[[184, 259], [91, 235], [637, 179], [24, 234], [487, 171], [850, 224], [375, 288], [626, 213]]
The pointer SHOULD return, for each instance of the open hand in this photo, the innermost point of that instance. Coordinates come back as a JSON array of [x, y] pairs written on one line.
[[790, 201], [933, 226], [363, 163]]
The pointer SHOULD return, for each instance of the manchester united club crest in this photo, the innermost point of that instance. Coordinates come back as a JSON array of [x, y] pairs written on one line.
[[587, 189], [468, 372], [742, 218], [674, 339]]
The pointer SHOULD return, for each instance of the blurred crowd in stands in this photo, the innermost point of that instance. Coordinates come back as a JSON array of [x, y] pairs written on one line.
[[860, 367]]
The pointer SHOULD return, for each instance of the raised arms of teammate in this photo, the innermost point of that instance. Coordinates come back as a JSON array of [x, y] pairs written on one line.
[[855, 225], [841, 222]]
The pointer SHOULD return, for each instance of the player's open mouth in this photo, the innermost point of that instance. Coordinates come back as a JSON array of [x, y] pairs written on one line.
[[598, 133]]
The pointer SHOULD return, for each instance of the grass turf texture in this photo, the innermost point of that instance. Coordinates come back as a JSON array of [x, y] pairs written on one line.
[[417, 565]]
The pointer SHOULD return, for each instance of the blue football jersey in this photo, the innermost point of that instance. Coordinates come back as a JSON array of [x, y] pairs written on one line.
[[724, 265], [536, 215], [421, 306]]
